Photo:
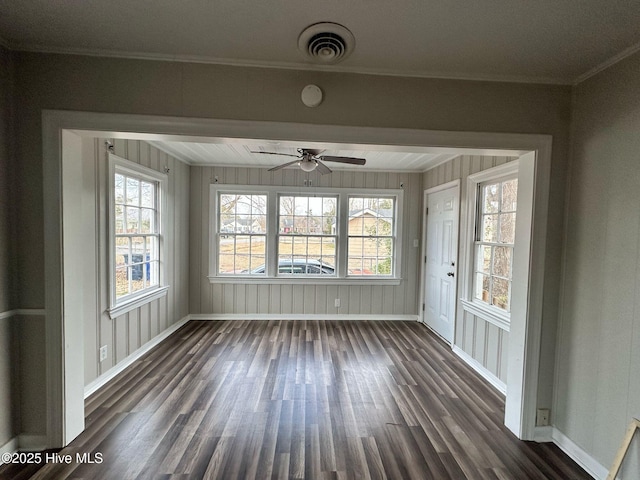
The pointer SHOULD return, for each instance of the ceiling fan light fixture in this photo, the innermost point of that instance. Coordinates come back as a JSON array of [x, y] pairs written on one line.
[[308, 165]]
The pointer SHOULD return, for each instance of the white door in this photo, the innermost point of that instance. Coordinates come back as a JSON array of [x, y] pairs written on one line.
[[441, 261]]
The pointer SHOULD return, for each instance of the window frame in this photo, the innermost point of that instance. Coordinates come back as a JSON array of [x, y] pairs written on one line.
[[272, 275], [469, 303], [479, 242], [124, 304]]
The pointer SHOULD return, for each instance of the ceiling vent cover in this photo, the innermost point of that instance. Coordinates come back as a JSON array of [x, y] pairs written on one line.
[[326, 43]]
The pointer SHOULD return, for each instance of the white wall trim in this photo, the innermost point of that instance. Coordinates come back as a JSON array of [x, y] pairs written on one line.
[[543, 434], [485, 313], [138, 302], [121, 366], [60, 413], [478, 367], [627, 52], [300, 316], [27, 312], [578, 455], [10, 447], [32, 443]]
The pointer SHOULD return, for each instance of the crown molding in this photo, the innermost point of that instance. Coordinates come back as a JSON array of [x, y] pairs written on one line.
[[627, 52], [292, 65]]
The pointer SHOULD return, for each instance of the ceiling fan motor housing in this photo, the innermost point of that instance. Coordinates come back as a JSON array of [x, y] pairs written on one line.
[[326, 43]]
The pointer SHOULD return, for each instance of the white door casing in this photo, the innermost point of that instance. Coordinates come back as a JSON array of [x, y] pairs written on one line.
[[440, 260], [62, 374]]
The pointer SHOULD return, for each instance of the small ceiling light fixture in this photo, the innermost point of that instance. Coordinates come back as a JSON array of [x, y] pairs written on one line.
[[326, 43], [308, 165]]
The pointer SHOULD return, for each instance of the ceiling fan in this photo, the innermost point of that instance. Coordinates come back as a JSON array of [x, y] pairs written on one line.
[[310, 159]]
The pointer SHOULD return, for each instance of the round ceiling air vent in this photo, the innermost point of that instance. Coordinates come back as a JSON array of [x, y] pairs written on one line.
[[326, 43]]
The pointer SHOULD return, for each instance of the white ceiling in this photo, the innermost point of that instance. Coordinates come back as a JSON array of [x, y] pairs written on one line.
[[557, 41], [238, 154]]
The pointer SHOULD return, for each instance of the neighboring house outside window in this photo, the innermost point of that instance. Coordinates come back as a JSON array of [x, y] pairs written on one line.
[[243, 229], [332, 234], [371, 238]]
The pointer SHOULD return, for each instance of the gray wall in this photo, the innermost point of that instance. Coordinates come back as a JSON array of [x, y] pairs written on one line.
[[313, 299], [74, 82], [8, 386], [598, 362], [130, 331], [482, 340]]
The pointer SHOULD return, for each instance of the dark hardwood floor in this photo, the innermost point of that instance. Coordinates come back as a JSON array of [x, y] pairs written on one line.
[[302, 399]]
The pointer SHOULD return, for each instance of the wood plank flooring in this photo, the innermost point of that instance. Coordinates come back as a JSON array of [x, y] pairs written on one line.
[[302, 399]]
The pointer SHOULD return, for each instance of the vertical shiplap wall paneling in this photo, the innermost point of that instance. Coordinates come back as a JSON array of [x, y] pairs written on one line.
[[130, 331], [483, 341], [196, 272], [313, 299]]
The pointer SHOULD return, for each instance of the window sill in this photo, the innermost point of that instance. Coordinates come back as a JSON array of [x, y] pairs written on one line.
[[491, 315], [137, 302], [307, 280]]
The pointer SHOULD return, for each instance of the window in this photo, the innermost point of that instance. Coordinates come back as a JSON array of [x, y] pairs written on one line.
[[494, 241], [285, 235], [307, 234], [135, 223], [371, 235], [243, 233]]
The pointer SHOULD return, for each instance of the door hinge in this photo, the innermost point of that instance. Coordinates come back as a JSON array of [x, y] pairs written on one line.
[[423, 307], [425, 259], [427, 211]]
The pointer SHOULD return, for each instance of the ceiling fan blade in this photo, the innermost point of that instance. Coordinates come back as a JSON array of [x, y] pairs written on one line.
[[275, 153], [351, 160], [283, 165], [322, 168]]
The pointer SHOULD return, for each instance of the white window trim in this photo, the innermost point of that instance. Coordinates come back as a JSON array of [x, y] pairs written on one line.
[[487, 312], [131, 302], [272, 191]]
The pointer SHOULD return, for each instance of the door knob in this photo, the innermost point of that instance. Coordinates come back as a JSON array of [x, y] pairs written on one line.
[[450, 274]]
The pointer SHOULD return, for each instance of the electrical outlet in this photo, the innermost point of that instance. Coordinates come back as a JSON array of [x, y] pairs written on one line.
[[542, 417], [103, 353], [336, 303]]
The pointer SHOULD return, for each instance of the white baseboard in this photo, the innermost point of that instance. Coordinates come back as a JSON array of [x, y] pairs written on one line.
[[578, 455], [543, 434], [478, 367], [298, 316], [116, 370], [32, 443], [27, 312], [10, 447]]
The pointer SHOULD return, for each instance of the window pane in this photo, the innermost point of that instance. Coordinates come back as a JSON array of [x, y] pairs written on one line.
[[500, 293], [133, 192], [133, 219], [228, 204], [285, 245], [226, 263], [482, 287], [146, 220], [258, 223], [286, 205], [510, 195], [491, 198], [122, 282], [329, 207], [489, 228], [122, 251], [148, 198], [502, 262], [483, 260], [119, 219], [507, 227], [119, 188]]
